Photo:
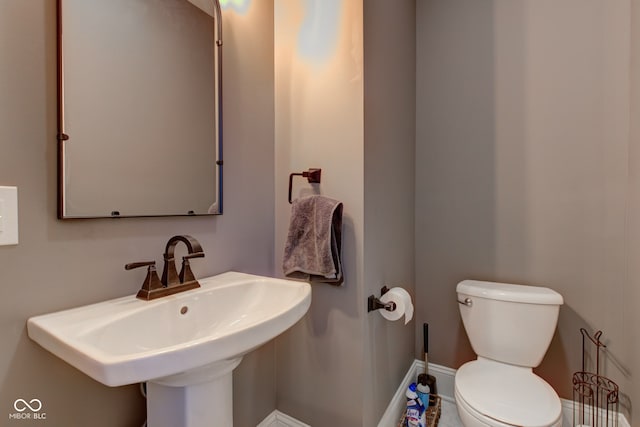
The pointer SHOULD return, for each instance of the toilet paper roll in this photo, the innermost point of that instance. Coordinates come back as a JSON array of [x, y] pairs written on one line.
[[404, 306]]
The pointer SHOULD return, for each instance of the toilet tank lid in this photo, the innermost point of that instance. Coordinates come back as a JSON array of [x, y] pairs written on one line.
[[510, 292]]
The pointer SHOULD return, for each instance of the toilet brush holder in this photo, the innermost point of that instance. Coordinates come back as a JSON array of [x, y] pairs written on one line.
[[430, 379]]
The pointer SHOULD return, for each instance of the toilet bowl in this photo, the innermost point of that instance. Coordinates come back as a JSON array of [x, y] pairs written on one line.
[[490, 393], [510, 328]]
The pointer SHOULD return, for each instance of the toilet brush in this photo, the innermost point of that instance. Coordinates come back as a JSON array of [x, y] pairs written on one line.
[[430, 380]]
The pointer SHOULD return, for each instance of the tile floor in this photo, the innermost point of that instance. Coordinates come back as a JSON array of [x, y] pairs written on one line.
[[449, 416]]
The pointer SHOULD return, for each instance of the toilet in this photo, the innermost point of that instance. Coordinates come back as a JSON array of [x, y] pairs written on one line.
[[510, 328]]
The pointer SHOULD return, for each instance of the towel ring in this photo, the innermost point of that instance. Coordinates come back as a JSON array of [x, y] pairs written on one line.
[[312, 175]]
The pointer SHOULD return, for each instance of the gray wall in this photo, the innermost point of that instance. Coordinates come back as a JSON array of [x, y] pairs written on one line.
[[58, 265], [319, 123], [389, 149], [522, 168], [632, 289], [353, 116], [524, 172]]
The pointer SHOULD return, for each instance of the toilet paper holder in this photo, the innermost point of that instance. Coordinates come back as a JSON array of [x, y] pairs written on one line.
[[374, 303]]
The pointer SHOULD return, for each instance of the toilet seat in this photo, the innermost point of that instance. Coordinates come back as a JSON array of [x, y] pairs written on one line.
[[506, 394]]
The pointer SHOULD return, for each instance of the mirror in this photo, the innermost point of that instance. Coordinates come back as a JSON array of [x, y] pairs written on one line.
[[139, 108]]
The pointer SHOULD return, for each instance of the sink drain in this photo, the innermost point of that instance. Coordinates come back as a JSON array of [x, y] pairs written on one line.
[[184, 310]]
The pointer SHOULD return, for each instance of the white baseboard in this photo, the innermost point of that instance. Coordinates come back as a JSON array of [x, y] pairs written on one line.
[[446, 390], [278, 419], [567, 415]]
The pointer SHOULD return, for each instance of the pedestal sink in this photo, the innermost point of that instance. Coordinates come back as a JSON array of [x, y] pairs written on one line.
[[185, 346]]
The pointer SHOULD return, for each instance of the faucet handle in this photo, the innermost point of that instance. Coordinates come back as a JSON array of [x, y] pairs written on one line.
[[186, 275], [133, 265], [194, 255], [151, 282]]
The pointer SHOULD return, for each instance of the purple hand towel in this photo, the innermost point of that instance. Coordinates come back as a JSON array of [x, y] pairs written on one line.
[[312, 251]]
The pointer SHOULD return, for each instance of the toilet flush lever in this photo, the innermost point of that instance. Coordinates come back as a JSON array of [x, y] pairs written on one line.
[[467, 301]]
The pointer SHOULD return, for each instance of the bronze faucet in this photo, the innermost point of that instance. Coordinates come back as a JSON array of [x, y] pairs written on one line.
[[172, 282]]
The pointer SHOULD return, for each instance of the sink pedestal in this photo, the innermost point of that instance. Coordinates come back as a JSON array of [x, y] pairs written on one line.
[[198, 398]]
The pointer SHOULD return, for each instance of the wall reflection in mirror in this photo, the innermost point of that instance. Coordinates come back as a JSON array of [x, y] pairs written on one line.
[[139, 108]]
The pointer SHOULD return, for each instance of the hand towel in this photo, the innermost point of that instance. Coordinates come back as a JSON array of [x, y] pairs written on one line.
[[314, 242]]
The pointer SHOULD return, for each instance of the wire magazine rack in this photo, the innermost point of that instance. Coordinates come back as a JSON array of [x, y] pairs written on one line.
[[595, 397]]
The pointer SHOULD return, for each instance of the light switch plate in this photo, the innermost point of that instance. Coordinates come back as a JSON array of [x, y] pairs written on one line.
[[8, 216]]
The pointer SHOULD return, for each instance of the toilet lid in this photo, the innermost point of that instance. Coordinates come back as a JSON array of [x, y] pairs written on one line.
[[510, 394]]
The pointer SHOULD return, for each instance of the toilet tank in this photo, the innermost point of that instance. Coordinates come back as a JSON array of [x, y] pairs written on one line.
[[509, 323]]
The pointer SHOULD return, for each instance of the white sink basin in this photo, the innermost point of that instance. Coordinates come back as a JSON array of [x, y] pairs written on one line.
[[127, 340]]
